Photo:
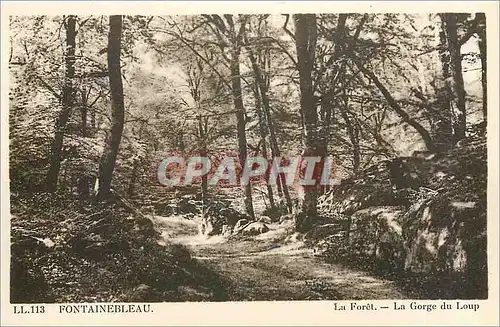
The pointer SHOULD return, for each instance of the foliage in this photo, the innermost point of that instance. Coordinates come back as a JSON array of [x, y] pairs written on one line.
[[371, 90]]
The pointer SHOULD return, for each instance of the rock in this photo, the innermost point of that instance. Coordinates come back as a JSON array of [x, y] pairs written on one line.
[[265, 220], [320, 232], [218, 214], [285, 218], [423, 215], [255, 228], [370, 238], [438, 235], [376, 236], [240, 225], [332, 246]]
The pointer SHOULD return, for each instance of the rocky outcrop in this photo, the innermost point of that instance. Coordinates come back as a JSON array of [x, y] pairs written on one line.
[[219, 214], [421, 215], [254, 228]]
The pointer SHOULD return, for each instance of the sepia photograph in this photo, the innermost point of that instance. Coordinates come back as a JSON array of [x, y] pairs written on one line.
[[301, 156]]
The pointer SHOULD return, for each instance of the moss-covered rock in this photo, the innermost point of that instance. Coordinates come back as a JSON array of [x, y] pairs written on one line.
[[425, 215]]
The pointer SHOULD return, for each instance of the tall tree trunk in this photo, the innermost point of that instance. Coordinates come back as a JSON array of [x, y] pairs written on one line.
[[443, 132], [93, 119], [262, 132], [305, 37], [275, 151], [482, 53], [67, 104], [327, 102], [455, 86], [240, 117], [108, 159], [444, 121], [353, 137], [203, 153], [84, 111]]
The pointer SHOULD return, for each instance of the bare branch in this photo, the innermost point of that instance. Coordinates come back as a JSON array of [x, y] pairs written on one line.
[[394, 105], [187, 44], [285, 28], [48, 87]]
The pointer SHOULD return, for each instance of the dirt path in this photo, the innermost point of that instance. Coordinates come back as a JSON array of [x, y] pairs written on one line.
[[262, 268]]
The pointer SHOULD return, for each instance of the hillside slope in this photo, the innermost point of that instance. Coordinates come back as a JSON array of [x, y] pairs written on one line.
[[423, 216]]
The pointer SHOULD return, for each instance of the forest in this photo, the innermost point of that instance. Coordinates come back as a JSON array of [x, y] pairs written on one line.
[[398, 102]]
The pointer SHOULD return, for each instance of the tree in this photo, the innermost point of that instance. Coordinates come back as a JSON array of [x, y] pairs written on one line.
[[481, 17], [263, 132], [236, 38], [110, 153], [405, 117], [223, 38], [67, 104], [452, 70], [305, 38], [265, 121]]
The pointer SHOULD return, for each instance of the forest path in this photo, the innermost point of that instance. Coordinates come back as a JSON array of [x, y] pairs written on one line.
[[266, 267]]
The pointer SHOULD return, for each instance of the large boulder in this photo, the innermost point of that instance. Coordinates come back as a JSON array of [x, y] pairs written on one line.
[[254, 228], [424, 215], [442, 235], [218, 214], [265, 220], [372, 238], [242, 223]]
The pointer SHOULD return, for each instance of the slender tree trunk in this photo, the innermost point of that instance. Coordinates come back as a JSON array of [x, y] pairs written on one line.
[[282, 187], [351, 132], [262, 131], [93, 119], [275, 152], [240, 117], [305, 36], [110, 153], [443, 132], [67, 104], [131, 190], [203, 153], [455, 85], [84, 112], [482, 53]]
